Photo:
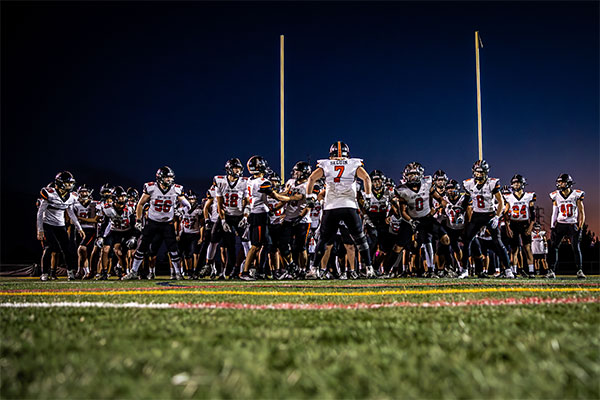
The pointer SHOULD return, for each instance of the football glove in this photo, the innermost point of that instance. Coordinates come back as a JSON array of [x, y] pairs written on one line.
[[367, 221], [243, 223], [413, 224], [494, 222], [367, 200], [225, 225], [100, 242], [139, 226], [131, 242]]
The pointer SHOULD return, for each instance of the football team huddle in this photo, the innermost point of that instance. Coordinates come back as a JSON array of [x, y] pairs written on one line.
[[335, 221]]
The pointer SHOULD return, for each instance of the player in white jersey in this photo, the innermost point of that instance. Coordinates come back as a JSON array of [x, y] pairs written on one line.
[[456, 207], [296, 220], [520, 216], [416, 199], [117, 230], [483, 191], [211, 217], [275, 227], [162, 196], [232, 199], [378, 234], [539, 248], [51, 227], [85, 209], [340, 202], [568, 217], [189, 231], [259, 190]]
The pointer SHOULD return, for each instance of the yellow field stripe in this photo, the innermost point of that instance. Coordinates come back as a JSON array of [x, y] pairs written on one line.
[[304, 294]]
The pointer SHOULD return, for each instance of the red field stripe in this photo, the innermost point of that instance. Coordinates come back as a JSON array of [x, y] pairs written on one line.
[[355, 306]]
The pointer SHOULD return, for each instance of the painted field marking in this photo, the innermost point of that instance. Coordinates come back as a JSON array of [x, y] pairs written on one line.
[[304, 306], [304, 294]]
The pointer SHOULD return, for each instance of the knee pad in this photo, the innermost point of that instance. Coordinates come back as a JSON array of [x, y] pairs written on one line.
[[174, 255], [138, 255], [361, 242]]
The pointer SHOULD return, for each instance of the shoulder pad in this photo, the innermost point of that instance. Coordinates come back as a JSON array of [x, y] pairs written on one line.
[[578, 191], [44, 193], [178, 186], [151, 183], [49, 189], [106, 205]]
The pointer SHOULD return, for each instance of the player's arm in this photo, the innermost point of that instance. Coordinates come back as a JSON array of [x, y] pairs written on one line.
[[206, 209], [220, 208], [184, 202], [75, 221], [531, 216], [404, 211], [313, 178], [500, 201], [139, 209], [554, 215], [581, 216], [364, 176], [40, 217]]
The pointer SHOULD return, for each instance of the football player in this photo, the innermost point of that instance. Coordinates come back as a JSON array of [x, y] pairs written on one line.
[[568, 217], [85, 209], [539, 248], [415, 198], [162, 196], [340, 202], [189, 234], [232, 198], [275, 227], [51, 227], [520, 215], [296, 219], [457, 206], [483, 191], [259, 190], [375, 217], [117, 228]]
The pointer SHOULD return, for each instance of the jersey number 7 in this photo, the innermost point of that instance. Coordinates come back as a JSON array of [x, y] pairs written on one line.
[[340, 170]]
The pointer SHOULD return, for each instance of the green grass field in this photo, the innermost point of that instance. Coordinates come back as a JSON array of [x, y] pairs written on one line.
[[400, 338]]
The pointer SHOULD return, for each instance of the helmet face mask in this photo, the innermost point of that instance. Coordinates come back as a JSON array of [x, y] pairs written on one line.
[[440, 179], [413, 173], [452, 188], [165, 177], [339, 150], [133, 195], [275, 181], [191, 197], [120, 196], [537, 227], [377, 179], [234, 168]]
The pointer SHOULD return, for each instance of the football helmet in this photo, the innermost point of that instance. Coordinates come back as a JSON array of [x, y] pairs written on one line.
[[257, 165], [84, 193], [165, 176], [413, 173], [537, 226], [234, 163], [339, 149], [481, 169], [505, 190], [133, 194], [191, 196], [377, 179], [301, 170], [440, 175], [64, 181], [120, 196], [518, 182], [275, 180], [566, 179], [106, 191], [452, 188]]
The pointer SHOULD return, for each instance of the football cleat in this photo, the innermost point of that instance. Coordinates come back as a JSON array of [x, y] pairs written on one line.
[[353, 275], [151, 276], [71, 275], [464, 274], [44, 278], [344, 276], [370, 272], [580, 274], [550, 275], [130, 276], [508, 274], [178, 277]]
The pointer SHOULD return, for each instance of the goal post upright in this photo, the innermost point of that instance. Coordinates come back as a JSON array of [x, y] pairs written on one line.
[[478, 43], [281, 107]]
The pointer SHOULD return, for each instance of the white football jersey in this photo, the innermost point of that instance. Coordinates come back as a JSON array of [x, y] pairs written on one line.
[[418, 202], [315, 215], [395, 224], [52, 208], [257, 194], [119, 221], [190, 219], [538, 242], [233, 194], [456, 212], [88, 211], [162, 204], [483, 196], [340, 188], [567, 206], [519, 208], [274, 215], [380, 202], [214, 212], [295, 207]]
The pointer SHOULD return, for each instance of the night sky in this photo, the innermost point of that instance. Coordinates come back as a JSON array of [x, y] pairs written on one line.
[[112, 91]]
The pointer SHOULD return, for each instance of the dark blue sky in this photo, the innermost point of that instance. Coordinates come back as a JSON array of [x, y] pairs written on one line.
[[111, 91]]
